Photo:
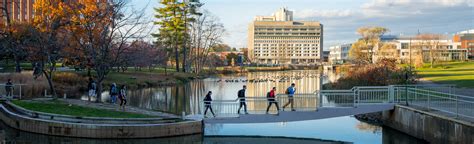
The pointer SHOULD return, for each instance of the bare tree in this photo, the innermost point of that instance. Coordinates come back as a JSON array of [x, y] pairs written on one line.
[[431, 43], [206, 32], [103, 35]]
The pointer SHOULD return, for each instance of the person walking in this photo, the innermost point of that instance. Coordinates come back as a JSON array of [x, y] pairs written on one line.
[[9, 89], [123, 97], [207, 103], [271, 100], [241, 97], [290, 91], [113, 93], [92, 87]]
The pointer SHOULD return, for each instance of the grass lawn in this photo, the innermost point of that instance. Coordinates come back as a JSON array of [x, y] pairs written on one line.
[[57, 107], [460, 74]]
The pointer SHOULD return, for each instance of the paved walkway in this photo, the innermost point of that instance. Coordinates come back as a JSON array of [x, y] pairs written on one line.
[[288, 116], [115, 107], [459, 91]]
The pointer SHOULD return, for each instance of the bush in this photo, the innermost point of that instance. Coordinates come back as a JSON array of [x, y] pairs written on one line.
[[383, 73]]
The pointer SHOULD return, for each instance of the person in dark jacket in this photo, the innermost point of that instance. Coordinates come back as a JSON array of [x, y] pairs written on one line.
[[92, 87], [241, 97], [113, 93], [271, 99], [207, 103], [9, 89], [123, 97]]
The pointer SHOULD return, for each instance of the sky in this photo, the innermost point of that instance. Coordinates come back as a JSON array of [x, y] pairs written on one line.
[[341, 18]]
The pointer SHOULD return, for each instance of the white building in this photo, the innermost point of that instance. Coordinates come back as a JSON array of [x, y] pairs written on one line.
[[407, 47], [339, 54], [277, 39]]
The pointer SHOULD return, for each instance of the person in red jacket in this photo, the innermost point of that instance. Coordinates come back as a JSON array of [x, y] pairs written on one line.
[[271, 99]]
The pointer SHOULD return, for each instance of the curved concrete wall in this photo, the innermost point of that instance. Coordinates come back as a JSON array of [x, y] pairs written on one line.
[[431, 127], [58, 128]]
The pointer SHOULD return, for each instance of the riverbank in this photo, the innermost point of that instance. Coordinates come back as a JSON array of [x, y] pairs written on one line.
[[86, 120]]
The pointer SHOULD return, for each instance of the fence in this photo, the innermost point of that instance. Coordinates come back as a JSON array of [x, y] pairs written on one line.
[[434, 97], [439, 98], [17, 91]]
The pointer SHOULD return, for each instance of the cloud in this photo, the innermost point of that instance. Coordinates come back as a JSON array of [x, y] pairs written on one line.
[[416, 3], [401, 8], [400, 16], [323, 13]]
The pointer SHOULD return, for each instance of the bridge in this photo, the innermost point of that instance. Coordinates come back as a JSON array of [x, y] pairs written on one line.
[[335, 103]]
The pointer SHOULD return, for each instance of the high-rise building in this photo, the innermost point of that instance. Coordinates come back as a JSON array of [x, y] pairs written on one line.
[[277, 39]]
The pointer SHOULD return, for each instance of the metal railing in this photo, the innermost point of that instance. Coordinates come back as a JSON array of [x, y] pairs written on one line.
[[439, 98], [434, 97], [258, 105], [17, 91]]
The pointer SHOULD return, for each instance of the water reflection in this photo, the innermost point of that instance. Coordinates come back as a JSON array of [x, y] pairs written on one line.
[[9, 135], [346, 129], [185, 98]]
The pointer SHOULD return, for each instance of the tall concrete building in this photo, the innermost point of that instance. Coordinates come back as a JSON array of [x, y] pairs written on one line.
[[277, 39]]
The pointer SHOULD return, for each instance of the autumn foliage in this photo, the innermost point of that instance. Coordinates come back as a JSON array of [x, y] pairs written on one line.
[[384, 72]]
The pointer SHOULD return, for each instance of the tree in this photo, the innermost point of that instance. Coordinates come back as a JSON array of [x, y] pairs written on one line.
[[102, 31], [230, 57], [206, 32], [387, 51], [370, 40], [357, 52], [430, 42], [12, 44], [221, 48], [50, 37]]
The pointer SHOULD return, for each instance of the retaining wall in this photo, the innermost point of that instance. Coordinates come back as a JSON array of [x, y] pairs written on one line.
[[101, 130], [431, 127]]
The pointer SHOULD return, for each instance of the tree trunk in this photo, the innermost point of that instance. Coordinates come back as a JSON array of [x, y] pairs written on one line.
[[89, 72], [49, 76], [99, 92], [17, 65]]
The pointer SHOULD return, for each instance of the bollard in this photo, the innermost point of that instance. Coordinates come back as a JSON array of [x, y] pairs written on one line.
[[65, 96], [45, 93], [183, 115]]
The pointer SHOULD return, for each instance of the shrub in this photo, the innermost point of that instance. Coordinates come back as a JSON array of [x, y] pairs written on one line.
[[383, 73]]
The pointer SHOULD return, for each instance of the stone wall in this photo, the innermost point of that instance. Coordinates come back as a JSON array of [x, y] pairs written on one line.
[[58, 128], [430, 127]]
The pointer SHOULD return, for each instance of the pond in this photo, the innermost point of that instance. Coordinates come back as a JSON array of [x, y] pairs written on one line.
[[188, 98]]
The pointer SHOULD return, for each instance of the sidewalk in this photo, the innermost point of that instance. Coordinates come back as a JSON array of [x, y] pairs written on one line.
[[459, 91]]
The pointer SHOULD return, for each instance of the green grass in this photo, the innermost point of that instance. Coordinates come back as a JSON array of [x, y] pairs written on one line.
[[460, 74], [57, 107]]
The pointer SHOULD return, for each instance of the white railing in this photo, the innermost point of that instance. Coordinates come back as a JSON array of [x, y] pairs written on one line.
[[17, 91], [438, 98], [435, 97]]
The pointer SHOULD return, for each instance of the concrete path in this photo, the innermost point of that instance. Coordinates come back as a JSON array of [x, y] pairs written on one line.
[[459, 91], [288, 116]]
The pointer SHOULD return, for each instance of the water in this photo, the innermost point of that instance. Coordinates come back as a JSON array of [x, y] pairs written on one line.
[[186, 98]]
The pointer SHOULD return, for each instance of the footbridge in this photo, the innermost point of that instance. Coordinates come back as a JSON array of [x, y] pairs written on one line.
[[335, 103]]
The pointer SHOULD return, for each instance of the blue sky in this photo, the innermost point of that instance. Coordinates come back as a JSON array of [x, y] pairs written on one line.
[[341, 18]]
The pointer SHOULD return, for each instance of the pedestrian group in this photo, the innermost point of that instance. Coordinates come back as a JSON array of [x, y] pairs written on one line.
[[290, 91]]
